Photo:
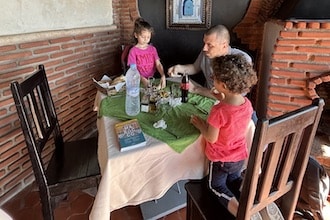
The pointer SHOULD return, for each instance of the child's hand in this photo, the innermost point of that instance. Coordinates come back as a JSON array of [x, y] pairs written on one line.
[[145, 81], [197, 122], [162, 82]]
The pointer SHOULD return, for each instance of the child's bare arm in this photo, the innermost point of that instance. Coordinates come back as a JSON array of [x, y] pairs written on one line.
[[209, 132], [160, 69]]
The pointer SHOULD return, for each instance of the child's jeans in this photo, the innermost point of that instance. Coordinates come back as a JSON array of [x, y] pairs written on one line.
[[225, 180]]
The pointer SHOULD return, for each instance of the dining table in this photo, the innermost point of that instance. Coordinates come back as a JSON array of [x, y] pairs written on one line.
[[171, 154]]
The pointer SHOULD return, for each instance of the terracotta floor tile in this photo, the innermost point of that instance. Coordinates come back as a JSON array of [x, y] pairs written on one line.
[[74, 206]]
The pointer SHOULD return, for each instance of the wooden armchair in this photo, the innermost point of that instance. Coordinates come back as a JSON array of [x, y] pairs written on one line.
[[273, 175], [72, 165]]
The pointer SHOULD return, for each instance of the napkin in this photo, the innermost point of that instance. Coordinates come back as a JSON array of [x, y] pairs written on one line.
[[160, 124]]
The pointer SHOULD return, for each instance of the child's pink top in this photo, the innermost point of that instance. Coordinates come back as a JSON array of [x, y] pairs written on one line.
[[232, 121], [145, 60]]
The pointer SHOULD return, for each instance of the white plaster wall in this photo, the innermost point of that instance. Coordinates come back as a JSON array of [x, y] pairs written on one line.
[[27, 16]]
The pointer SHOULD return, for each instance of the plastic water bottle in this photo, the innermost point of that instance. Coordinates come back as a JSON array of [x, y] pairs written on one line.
[[132, 102]]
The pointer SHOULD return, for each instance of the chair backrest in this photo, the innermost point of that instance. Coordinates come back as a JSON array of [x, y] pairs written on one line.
[[38, 120], [124, 57], [276, 174]]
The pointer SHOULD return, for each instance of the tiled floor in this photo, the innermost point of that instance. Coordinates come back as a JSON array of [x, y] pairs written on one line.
[[76, 206]]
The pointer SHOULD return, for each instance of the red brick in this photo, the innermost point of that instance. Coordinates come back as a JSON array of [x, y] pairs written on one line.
[[33, 44], [47, 49], [314, 34], [289, 34], [289, 73], [17, 55], [302, 101], [61, 40], [310, 66], [325, 78], [36, 60], [290, 91], [7, 48], [297, 82], [296, 41], [84, 48], [61, 53], [313, 25], [71, 45], [320, 58], [73, 57], [288, 25], [51, 63], [66, 66], [301, 25], [315, 49], [317, 81], [277, 81], [284, 107], [17, 72], [324, 43], [279, 98], [7, 66], [83, 37], [325, 25], [279, 64], [12, 183], [311, 85], [312, 93], [289, 56], [280, 48], [272, 113]]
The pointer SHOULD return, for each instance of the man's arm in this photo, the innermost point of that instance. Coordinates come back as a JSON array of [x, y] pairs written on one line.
[[190, 69]]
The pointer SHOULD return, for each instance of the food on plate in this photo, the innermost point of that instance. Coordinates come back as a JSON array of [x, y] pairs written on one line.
[[118, 79]]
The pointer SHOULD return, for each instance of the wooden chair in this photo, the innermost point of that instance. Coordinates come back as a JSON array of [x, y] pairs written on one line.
[[124, 57], [273, 175], [72, 165]]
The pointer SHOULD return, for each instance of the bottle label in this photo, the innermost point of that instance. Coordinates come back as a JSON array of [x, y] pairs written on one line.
[[185, 86]]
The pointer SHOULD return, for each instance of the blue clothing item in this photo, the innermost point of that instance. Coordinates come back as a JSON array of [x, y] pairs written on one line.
[[225, 179], [254, 117]]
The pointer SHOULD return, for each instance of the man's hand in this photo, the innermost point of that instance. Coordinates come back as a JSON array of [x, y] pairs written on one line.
[[173, 71]]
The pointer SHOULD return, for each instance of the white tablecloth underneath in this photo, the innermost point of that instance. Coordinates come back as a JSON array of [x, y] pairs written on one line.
[[140, 175]]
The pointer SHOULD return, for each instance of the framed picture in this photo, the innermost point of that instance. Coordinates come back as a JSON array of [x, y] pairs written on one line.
[[188, 14]]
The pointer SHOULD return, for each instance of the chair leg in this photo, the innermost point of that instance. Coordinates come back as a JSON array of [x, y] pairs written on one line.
[[178, 186]]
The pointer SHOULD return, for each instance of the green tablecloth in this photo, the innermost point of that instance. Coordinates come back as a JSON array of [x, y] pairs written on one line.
[[179, 133]]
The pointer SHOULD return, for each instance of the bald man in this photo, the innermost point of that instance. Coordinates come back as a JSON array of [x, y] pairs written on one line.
[[216, 44]]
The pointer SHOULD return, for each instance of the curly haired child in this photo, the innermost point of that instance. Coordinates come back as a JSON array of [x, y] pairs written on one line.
[[224, 130]]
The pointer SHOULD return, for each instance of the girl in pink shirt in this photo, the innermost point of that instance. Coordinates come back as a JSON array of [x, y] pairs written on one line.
[[144, 55], [224, 130]]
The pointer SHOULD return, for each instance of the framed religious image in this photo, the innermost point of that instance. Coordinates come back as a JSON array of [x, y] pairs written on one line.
[[188, 14]]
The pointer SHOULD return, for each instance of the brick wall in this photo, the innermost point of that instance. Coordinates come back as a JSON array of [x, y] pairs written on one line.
[[301, 52], [300, 58], [71, 58]]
